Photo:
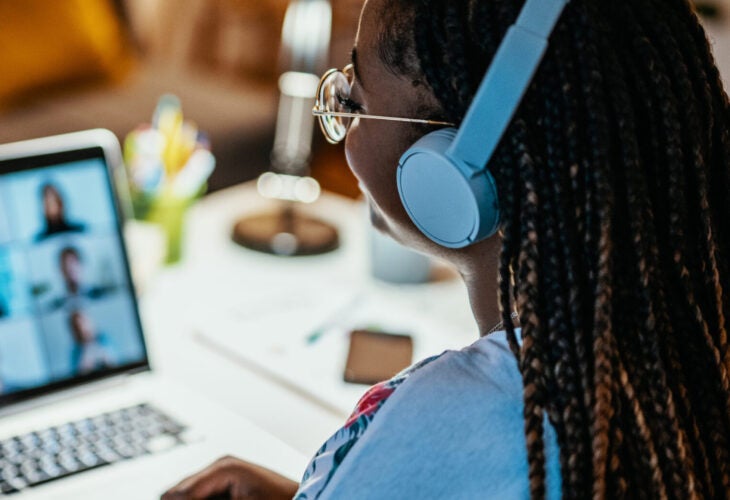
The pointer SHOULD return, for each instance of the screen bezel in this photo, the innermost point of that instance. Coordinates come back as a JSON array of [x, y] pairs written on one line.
[[96, 152]]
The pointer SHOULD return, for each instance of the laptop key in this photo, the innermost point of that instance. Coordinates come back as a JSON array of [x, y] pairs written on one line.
[[6, 488], [8, 470], [69, 464], [107, 454], [17, 482]]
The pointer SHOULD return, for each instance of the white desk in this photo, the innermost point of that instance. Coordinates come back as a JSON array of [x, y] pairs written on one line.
[[214, 270]]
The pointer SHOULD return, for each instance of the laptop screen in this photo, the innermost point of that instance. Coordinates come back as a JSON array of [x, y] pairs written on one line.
[[67, 309]]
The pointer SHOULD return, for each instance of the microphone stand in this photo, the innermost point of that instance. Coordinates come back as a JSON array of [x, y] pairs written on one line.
[[287, 230]]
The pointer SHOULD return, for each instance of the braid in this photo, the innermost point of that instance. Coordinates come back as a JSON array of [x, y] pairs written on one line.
[[531, 356], [707, 237], [509, 193], [613, 179], [657, 397], [530, 303], [707, 285], [554, 191], [684, 286], [644, 103], [598, 240]]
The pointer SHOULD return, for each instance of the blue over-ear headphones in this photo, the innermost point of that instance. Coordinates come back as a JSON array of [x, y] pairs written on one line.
[[443, 179]]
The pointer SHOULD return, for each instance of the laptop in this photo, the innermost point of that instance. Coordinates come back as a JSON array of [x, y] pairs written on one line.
[[82, 415]]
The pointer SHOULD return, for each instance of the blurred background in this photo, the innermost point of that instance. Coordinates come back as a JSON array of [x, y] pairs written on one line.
[[75, 64]]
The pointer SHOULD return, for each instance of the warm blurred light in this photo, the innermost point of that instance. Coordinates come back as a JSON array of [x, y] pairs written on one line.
[[297, 84], [288, 187]]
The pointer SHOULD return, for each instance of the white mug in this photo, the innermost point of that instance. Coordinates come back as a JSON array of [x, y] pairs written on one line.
[[392, 262]]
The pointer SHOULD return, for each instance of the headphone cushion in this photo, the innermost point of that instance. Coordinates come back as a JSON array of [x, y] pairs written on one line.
[[449, 202]]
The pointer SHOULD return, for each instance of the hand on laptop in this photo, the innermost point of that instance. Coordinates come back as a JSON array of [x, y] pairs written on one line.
[[230, 477]]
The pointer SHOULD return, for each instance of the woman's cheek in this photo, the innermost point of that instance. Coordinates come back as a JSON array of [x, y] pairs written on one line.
[[364, 158], [351, 155], [374, 164]]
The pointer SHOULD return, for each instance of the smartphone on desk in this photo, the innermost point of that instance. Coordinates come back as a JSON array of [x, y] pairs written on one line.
[[374, 356]]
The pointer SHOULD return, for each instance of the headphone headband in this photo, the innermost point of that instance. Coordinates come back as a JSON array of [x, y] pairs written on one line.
[[507, 79], [443, 180]]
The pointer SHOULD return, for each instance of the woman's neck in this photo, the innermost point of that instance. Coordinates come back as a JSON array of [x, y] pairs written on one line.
[[479, 268]]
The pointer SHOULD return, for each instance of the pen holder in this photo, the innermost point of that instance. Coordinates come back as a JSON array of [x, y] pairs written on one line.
[[168, 211]]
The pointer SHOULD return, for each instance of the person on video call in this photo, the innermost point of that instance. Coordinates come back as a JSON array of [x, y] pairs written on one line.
[[54, 213], [613, 253], [71, 267], [90, 351]]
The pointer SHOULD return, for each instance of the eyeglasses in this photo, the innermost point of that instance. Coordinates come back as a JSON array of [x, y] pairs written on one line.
[[336, 110]]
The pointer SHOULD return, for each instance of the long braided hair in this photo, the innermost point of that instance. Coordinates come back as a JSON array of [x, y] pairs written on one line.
[[614, 186]]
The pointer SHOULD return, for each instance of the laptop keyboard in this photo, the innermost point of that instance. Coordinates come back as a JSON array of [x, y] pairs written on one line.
[[39, 457]]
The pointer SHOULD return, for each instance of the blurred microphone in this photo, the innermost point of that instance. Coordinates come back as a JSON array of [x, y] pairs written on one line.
[[305, 42]]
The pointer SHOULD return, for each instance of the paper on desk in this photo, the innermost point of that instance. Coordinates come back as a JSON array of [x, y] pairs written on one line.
[[275, 318], [300, 337]]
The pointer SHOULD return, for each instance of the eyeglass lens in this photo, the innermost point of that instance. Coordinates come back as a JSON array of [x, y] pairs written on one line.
[[334, 93]]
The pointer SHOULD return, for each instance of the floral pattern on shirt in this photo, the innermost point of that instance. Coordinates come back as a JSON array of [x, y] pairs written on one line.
[[329, 457]]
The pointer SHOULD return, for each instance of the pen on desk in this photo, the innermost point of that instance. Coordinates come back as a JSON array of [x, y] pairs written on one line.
[[332, 320]]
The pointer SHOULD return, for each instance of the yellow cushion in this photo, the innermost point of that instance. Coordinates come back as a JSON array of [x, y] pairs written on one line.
[[46, 43]]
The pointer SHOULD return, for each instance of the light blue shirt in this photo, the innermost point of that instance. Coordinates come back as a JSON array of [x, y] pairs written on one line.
[[453, 429]]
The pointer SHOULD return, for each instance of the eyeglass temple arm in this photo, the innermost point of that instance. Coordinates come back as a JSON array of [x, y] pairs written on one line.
[[319, 112]]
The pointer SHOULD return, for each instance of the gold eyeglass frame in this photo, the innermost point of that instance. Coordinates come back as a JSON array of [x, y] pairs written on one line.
[[320, 111]]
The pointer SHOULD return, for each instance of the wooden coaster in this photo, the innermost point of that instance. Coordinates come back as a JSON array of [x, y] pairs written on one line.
[[287, 232]]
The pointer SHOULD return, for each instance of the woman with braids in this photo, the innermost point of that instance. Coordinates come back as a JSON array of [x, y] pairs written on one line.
[[608, 278]]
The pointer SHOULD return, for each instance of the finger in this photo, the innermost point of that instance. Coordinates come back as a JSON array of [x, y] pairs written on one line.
[[214, 479]]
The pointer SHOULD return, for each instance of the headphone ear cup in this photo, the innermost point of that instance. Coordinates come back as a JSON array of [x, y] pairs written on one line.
[[449, 201]]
